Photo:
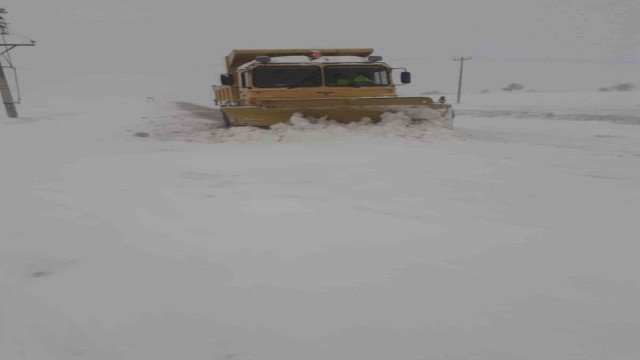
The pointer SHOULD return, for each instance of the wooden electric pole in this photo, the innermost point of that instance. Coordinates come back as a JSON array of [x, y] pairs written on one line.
[[461, 59], [7, 98], [5, 89]]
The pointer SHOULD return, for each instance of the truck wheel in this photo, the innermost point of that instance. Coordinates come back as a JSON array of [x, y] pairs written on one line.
[[227, 122]]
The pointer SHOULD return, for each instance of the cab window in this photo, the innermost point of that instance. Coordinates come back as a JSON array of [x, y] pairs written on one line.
[[286, 76], [244, 79], [356, 76]]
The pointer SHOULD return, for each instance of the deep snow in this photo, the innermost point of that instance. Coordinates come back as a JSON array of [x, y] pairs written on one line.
[[513, 236]]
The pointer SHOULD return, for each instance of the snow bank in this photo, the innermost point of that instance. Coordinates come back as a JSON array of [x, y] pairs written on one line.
[[617, 107]]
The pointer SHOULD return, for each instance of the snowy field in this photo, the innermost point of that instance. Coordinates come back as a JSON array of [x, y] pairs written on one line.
[[135, 229]]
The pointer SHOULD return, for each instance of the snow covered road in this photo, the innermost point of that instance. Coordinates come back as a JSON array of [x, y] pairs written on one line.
[[512, 237]]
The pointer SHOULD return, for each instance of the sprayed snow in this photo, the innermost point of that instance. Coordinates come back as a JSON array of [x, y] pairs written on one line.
[[406, 123]]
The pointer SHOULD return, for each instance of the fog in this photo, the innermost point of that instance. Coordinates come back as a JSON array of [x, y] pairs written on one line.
[[574, 45]]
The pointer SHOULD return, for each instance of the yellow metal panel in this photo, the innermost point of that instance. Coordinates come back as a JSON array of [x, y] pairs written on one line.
[[342, 110]]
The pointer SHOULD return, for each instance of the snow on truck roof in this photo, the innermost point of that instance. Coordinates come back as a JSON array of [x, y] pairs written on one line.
[[239, 57], [307, 60]]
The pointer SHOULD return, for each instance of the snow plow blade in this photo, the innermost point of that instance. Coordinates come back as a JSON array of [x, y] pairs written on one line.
[[271, 112]]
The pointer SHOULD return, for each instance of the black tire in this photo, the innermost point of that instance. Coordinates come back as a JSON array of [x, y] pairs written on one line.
[[225, 118]]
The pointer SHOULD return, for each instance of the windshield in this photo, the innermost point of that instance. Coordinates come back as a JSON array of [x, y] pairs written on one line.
[[356, 76], [286, 76]]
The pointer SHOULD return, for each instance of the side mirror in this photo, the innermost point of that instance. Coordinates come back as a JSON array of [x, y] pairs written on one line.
[[226, 79], [405, 77]]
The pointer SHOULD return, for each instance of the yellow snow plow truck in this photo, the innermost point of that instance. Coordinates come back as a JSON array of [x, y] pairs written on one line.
[[266, 87]]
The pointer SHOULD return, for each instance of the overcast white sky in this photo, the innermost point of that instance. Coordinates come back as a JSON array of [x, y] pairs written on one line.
[[552, 45]]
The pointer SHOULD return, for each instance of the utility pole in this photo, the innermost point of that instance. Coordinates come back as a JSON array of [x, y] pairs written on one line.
[[461, 59], [5, 89]]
